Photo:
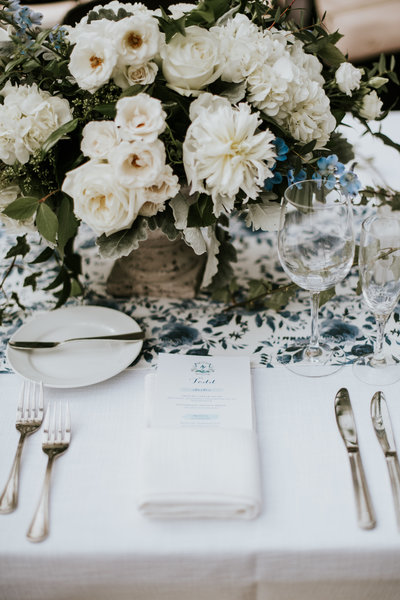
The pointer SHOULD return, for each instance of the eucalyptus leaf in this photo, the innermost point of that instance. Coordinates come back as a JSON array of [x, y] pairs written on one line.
[[58, 134]]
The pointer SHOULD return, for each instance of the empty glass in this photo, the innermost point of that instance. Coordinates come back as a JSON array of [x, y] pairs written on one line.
[[316, 249], [379, 263]]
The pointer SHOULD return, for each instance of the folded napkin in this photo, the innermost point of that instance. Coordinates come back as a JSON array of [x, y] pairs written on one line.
[[198, 472]]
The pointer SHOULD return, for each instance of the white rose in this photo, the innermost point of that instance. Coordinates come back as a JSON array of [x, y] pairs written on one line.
[[101, 28], [99, 198], [156, 195], [371, 106], [138, 164], [126, 75], [140, 117], [8, 195], [348, 78], [137, 39], [191, 62], [92, 62], [98, 139]]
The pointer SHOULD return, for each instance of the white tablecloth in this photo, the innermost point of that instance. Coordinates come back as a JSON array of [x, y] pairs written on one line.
[[305, 545]]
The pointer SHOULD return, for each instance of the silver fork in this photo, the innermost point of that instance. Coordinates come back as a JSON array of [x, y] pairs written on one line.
[[29, 419], [56, 439]]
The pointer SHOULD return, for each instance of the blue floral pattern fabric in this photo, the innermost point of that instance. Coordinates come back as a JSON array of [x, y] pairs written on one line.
[[204, 327]]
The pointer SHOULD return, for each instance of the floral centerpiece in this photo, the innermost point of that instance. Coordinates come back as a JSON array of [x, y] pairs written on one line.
[[135, 119]]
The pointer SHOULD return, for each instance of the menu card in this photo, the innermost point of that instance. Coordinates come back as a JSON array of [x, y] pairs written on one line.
[[202, 391]]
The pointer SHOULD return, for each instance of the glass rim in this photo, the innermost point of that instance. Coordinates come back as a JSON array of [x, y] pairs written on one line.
[[367, 222], [342, 198]]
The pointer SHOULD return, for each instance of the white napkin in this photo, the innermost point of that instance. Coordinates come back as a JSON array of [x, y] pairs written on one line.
[[198, 472]]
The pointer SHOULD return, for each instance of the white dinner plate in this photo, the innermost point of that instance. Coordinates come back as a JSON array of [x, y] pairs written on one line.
[[78, 363]]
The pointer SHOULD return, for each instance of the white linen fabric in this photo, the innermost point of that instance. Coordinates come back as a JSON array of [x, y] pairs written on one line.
[[304, 545], [198, 472]]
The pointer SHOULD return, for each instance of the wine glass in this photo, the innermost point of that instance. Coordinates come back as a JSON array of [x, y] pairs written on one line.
[[316, 250], [379, 264]]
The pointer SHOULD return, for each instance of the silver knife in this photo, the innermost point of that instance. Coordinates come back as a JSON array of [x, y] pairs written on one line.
[[32, 345], [347, 427], [383, 429]]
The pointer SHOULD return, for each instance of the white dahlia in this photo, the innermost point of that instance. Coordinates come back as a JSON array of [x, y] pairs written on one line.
[[224, 153]]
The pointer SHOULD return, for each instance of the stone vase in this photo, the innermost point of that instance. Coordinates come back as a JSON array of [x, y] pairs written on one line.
[[159, 268]]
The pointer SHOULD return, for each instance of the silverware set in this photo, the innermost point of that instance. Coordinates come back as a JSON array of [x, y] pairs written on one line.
[[56, 440], [383, 429]]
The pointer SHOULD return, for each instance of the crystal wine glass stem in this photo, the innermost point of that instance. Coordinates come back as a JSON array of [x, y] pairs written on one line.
[[380, 331], [313, 346]]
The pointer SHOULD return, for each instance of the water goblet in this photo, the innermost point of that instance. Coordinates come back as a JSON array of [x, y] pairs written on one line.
[[316, 250], [379, 265]]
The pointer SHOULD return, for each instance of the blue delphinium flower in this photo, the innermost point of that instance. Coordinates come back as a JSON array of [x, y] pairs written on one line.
[[350, 183], [292, 178], [329, 168], [271, 181], [57, 36], [24, 18], [281, 149]]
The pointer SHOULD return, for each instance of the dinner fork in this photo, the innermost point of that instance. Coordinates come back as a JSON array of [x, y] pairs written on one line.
[[56, 439], [29, 419]]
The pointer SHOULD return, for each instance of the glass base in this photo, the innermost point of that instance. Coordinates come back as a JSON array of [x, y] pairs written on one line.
[[298, 359], [377, 372]]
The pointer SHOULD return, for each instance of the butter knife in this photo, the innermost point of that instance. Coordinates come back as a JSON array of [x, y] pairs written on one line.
[[347, 427], [383, 429], [32, 345]]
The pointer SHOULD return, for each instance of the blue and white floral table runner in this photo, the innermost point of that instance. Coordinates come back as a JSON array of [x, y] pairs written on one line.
[[202, 326]]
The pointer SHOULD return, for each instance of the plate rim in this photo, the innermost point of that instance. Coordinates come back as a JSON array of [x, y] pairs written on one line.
[[136, 348]]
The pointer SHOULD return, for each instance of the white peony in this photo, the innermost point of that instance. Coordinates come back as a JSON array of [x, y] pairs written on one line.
[[28, 116], [99, 138], [99, 198], [158, 194], [140, 117], [92, 61], [126, 75], [137, 39], [8, 195], [371, 106], [223, 152], [191, 62], [138, 164], [239, 40], [348, 78], [309, 117]]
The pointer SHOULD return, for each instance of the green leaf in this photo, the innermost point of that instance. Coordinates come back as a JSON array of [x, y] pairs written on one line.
[[47, 223], [107, 110], [22, 208], [43, 256], [68, 224], [201, 212], [21, 248], [123, 242], [332, 55], [326, 295], [58, 134], [31, 280]]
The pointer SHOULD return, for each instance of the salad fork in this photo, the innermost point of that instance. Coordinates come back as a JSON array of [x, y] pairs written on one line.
[[29, 419], [56, 439]]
